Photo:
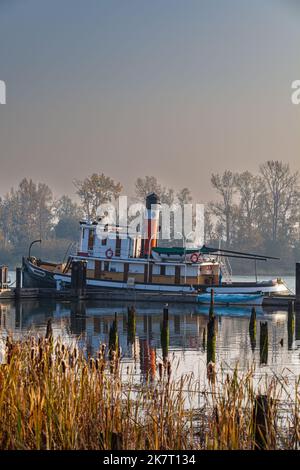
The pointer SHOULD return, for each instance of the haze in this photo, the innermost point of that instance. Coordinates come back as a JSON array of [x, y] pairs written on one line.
[[174, 89]]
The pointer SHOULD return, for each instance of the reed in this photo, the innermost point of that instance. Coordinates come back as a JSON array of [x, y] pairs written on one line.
[[53, 397]]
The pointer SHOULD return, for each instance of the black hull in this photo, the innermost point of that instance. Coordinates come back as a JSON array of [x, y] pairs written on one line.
[[33, 277]]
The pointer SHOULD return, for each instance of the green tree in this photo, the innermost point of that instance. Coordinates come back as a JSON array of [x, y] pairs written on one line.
[[28, 213]]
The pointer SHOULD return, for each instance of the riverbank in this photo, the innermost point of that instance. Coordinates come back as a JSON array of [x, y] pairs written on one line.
[[55, 397]]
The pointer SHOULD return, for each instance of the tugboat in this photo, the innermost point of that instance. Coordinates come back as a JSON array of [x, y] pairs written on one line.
[[127, 262]]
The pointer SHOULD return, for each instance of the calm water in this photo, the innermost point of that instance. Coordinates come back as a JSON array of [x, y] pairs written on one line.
[[89, 323]]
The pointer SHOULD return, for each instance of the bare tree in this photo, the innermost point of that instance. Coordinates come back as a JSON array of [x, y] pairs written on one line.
[[225, 185], [250, 187], [146, 185], [282, 193], [95, 190]]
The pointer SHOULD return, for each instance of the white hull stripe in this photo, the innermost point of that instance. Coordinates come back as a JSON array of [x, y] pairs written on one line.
[[277, 288]]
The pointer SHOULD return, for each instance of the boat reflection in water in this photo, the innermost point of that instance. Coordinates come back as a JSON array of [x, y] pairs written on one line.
[[146, 340]]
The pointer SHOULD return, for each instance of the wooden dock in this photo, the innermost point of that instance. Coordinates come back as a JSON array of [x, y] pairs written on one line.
[[280, 301]]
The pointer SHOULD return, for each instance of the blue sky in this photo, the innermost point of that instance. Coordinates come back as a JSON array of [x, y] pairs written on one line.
[[177, 89]]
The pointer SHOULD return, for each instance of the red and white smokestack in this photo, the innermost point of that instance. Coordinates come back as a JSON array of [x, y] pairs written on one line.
[[151, 221]]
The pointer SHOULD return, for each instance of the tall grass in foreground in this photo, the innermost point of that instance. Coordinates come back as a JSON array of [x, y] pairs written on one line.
[[52, 397]]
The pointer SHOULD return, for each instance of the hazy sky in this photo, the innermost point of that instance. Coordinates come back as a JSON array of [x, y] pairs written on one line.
[[177, 89]]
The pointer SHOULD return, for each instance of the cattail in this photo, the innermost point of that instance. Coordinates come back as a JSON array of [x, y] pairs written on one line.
[[40, 353], [169, 369], [32, 354], [160, 370]]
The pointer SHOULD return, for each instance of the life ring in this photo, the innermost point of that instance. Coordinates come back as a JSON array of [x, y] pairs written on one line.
[[194, 258], [109, 253]]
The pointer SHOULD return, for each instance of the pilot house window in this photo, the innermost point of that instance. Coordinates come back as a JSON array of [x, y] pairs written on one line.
[[118, 246], [91, 240]]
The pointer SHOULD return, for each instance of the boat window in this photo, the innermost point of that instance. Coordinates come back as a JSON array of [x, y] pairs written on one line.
[[106, 265], [91, 240], [118, 246], [104, 241], [162, 270]]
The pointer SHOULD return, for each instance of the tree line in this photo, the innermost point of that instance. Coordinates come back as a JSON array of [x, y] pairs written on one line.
[[251, 212]]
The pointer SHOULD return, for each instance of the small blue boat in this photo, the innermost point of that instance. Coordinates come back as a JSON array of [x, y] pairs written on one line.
[[232, 299]]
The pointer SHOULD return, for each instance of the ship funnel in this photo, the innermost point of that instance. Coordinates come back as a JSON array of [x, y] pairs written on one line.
[[150, 224]]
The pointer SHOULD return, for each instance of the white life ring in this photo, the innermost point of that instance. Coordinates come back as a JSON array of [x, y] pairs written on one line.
[[109, 253], [194, 258]]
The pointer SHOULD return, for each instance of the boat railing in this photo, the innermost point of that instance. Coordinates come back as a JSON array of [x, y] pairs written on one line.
[[226, 270]]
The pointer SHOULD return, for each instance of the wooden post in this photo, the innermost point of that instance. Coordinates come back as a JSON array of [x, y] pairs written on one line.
[[261, 422], [49, 330], [291, 324], [78, 278], [263, 342], [252, 329], [212, 304], [298, 285], [204, 338], [18, 282], [211, 340], [131, 325], [165, 334], [3, 277], [116, 441], [113, 344]]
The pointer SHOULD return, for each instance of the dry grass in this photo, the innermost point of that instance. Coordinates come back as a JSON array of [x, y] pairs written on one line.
[[52, 397]]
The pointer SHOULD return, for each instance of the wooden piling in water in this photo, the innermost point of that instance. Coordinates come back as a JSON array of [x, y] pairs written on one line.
[[298, 286], [211, 341], [165, 334], [261, 422], [203, 338], [263, 342], [291, 324], [252, 329], [18, 282], [49, 330], [212, 304], [131, 325], [113, 343], [78, 279]]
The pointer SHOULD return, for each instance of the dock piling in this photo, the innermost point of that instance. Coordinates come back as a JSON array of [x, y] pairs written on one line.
[[298, 285], [263, 430], [165, 334], [263, 342], [113, 339], [291, 324], [131, 325], [78, 279], [211, 340], [18, 282], [252, 329]]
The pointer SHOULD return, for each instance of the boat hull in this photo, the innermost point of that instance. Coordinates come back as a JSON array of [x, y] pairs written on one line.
[[38, 277], [232, 299]]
